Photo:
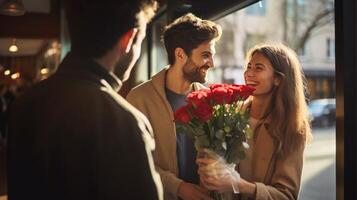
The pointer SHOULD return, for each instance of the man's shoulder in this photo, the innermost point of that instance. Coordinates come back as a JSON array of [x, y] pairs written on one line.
[[145, 85], [156, 82], [134, 115], [144, 88]]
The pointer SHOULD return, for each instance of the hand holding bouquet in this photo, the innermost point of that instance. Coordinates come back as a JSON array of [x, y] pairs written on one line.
[[215, 118]]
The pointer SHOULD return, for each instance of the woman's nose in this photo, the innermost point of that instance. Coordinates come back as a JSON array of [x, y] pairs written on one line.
[[249, 73]]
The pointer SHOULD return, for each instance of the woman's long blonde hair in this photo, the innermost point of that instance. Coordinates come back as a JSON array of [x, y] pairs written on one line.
[[288, 109]]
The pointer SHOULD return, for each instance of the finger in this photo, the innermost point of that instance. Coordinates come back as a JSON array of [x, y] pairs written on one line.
[[201, 195], [212, 172], [203, 171], [206, 161], [205, 184], [202, 189], [211, 166], [210, 184], [202, 150], [204, 197]]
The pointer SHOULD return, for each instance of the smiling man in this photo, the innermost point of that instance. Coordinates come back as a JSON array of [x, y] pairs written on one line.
[[190, 45]]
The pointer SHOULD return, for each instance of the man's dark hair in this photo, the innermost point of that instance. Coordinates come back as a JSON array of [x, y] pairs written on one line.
[[188, 32], [96, 25]]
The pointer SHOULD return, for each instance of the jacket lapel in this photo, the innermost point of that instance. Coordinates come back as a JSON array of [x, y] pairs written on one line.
[[264, 149], [159, 85]]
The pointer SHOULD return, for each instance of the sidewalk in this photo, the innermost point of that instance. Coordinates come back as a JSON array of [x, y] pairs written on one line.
[[319, 173]]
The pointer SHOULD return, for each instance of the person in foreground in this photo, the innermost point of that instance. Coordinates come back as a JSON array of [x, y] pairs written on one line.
[[72, 136], [279, 119], [190, 45]]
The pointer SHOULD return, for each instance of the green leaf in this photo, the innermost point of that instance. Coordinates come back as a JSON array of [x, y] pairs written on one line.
[[227, 129], [249, 132], [201, 142], [199, 131], [224, 146], [220, 120], [241, 154], [219, 134]]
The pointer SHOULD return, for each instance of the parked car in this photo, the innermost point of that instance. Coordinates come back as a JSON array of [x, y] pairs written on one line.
[[323, 112]]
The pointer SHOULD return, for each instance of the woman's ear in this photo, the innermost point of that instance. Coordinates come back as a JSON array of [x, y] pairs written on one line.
[[180, 55], [126, 41], [277, 81]]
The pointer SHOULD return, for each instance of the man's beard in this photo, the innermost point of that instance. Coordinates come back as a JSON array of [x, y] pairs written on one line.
[[192, 72]]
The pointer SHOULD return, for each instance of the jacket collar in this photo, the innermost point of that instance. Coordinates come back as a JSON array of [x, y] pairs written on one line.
[[159, 80], [75, 65], [265, 145]]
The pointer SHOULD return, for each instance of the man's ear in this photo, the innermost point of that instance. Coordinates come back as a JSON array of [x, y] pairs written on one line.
[[180, 55], [126, 41]]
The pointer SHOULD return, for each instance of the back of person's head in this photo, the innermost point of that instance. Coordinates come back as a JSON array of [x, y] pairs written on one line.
[[188, 32], [96, 25], [289, 108]]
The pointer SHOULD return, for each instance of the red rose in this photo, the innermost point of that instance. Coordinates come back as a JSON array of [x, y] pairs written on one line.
[[241, 92], [182, 114], [203, 111], [246, 91], [199, 96], [222, 95], [217, 85]]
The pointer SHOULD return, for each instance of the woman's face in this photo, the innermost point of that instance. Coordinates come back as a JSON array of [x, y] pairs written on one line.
[[260, 75]]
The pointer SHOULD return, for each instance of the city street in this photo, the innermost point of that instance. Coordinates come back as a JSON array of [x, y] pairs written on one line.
[[319, 173]]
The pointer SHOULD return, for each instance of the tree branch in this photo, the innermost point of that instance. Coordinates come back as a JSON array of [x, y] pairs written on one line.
[[316, 22]]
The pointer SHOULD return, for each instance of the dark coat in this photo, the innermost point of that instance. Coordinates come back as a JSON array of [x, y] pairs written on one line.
[[73, 137]]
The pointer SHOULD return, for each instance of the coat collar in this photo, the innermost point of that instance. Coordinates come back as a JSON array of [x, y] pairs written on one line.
[[75, 65], [264, 147], [159, 80]]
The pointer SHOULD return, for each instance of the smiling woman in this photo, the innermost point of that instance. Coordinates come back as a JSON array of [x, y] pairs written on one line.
[[259, 74], [278, 117]]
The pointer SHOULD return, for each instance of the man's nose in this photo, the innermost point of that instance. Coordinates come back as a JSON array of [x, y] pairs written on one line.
[[210, 63]]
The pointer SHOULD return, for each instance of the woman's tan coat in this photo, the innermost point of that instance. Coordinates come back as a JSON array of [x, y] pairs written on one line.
[[276, 177]]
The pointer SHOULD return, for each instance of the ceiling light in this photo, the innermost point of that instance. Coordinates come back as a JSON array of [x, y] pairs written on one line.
[[13, 48], [7, 72], [15, 76], [44, 71], [12, 8]]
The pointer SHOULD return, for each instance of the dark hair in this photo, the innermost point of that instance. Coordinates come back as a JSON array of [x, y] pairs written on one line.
[[96, 25], [188, 32]]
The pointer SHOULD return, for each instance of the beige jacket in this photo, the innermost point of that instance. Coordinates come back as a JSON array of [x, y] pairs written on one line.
[[150, 99], [276, 177]]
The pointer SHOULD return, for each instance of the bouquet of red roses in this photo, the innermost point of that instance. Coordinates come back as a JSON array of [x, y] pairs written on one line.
[[215, 118]]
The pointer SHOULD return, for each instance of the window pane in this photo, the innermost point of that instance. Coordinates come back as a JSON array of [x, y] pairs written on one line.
[[288, 21]]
